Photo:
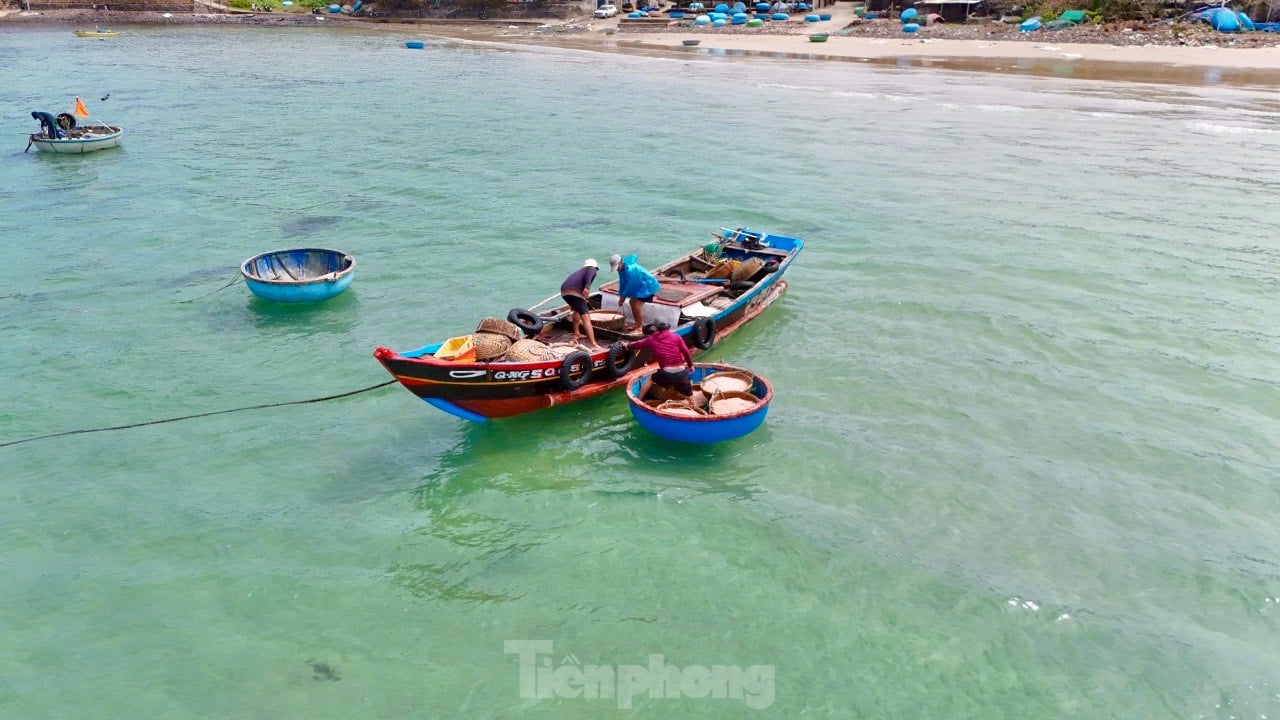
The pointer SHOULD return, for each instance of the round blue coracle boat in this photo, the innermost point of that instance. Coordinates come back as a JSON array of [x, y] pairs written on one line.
[[728, 402], [299, 274]]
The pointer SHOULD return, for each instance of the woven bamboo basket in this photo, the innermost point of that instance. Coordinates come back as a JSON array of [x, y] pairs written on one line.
[[559, 351], [748, 269], [680, 407], [607, 319], [723, 270], [498, 326], [490, 345], [728, 403], [664, 394], [699, 399], [526, 351], [730, 381]]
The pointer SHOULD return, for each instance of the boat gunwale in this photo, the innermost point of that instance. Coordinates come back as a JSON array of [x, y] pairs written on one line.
[[117, 131], [330, 278]]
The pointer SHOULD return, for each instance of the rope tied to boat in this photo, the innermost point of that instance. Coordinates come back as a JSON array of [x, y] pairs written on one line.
[[233, 281], [199, 415]]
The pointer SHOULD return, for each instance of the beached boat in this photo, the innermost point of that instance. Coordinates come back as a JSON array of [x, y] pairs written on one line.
[[713, 415], [99, 33], [63, 134], [299, 274], [703, 297]]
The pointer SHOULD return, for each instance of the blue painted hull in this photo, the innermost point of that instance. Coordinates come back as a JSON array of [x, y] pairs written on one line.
[[311, 292], [299, 275], [701, 431], [708, 429]]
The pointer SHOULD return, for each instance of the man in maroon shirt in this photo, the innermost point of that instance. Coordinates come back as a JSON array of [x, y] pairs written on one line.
[[675, 362]]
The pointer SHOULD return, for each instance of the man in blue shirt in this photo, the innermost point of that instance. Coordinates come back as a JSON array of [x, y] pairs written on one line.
[[635, 285], [575, 291]]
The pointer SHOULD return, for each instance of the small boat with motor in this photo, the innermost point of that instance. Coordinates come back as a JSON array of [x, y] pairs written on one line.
[[528, 361], [299, 274], [728, 402], [65, 135], [97, 33]]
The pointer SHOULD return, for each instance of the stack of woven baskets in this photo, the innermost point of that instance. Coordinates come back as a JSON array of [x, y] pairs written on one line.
[[494, 337], [736, 269], [722, 270], [724, 393], [525, 351], [498, 339], [747, 269], [534, 351]]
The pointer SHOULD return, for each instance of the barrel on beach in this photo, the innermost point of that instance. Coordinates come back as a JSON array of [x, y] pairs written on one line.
[[299, 274], [415, 44]]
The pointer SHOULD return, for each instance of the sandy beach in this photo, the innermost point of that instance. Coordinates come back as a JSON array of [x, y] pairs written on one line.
[[1139, 53], [885, 40]]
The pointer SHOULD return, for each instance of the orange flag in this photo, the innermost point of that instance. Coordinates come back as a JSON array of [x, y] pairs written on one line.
[[80, 110]]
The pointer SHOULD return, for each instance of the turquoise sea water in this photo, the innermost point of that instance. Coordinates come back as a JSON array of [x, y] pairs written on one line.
[[1022, 461]]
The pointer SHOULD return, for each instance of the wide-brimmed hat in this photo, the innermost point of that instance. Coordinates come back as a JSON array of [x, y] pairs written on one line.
[[591, 263]]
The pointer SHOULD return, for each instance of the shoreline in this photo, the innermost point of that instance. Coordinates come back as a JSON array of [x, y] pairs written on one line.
[[1201, 64]]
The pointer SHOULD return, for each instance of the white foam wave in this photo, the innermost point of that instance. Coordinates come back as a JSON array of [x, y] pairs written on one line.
[[1000, 108], [784, 86], [1231, 129]]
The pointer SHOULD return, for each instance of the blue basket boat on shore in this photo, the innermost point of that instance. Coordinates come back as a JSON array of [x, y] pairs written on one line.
[[299, 274], [685, 423]]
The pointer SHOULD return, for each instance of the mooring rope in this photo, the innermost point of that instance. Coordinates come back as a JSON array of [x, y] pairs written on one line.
[[233, 281], [198, 415]]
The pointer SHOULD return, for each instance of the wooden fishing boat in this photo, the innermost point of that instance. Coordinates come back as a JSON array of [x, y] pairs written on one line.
[[98, 33], [689, 422], [81, 139], [64, 134], [701, 309], [299, 274]]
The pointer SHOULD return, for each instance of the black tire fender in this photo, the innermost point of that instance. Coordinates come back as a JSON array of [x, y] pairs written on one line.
[[703, 332], [678, 274], [567, 381], [619, 352], [66, 121], [530, 323], [741, 285]]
